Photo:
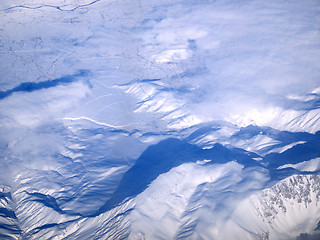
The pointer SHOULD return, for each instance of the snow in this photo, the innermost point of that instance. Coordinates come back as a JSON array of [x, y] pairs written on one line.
[[165, 205], [249, 217], [310, 166], [285, 148]]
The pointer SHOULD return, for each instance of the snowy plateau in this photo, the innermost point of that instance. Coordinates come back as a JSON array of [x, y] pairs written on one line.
[[160, 119]]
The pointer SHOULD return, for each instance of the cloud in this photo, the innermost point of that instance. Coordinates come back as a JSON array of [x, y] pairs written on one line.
[[31, 132], [31, 109], [235, 57]]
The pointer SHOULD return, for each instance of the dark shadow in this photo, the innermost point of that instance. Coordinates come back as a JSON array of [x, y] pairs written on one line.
[[7, 213], [296, 154], [49, 202], [306, 236], [161, 158], [34, 86], [284, 137], [11, 229]]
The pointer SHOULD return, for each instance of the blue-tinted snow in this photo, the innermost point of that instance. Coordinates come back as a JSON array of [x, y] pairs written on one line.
[[160, 158], [34, 86]]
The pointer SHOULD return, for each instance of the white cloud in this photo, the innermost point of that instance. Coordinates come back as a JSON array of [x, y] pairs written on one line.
[[24, 109], [236, 58]]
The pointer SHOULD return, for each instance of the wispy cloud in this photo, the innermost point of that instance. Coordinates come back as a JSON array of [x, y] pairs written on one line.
[[236, 56]]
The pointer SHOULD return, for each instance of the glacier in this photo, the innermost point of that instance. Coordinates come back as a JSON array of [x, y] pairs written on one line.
[[159, 119]]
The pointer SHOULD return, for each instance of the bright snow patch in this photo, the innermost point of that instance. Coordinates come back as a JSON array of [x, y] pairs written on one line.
[[309, 166]]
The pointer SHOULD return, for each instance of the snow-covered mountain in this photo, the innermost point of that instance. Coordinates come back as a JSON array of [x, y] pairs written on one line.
[[159, 119], [174, 189]]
